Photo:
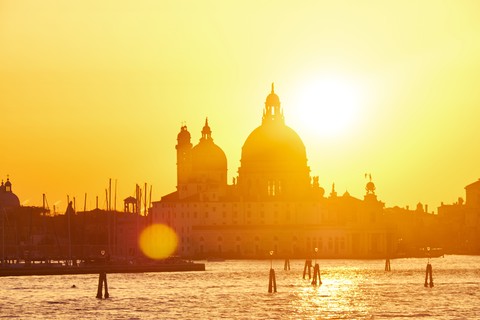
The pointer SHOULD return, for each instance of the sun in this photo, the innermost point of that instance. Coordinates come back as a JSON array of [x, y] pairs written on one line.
[[328, 106]]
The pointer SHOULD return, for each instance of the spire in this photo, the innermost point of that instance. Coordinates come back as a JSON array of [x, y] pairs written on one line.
[[273, 87], [333, 193]]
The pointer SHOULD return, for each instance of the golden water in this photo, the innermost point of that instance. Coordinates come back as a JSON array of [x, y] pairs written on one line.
[[351, 289]]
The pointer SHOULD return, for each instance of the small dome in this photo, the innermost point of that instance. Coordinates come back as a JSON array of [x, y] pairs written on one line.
[[7, 198], [206, 155], [370, 187]]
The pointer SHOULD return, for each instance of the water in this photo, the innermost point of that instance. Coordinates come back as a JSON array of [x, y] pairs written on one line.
[[351, 289]]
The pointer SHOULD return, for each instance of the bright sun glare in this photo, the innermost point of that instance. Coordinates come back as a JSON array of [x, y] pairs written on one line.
[[328, 106], [158, 241]]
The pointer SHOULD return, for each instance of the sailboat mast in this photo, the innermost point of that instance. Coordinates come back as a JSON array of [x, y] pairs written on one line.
[[115, 219], [3, 236], [108, 220], [110, 194], [68, 213], [145, 200]]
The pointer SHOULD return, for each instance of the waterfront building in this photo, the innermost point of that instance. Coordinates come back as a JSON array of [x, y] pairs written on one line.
[[274, 204], [460, 222], [36, 234]]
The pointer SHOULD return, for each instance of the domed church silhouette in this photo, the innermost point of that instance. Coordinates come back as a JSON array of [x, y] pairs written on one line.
[[272, 204]]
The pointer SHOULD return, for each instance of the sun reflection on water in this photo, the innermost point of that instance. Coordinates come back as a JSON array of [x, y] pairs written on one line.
[[339, 293]]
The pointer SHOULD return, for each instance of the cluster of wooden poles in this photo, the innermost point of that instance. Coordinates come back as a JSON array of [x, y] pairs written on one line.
[[272, 283]]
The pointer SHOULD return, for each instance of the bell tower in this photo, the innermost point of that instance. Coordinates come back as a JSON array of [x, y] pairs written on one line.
[[184, 158]]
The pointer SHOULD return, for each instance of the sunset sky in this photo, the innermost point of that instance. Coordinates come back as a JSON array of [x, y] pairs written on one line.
[[92, 90]]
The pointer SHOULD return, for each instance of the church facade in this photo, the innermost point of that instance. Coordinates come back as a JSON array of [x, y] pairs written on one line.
[[272, 205]]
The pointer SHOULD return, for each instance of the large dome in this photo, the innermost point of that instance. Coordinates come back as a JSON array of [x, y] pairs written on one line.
[[274, 160], [274, 144]]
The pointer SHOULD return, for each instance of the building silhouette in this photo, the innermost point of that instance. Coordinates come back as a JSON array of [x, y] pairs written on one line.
[[273, 203], [460, 222], [32, 234]]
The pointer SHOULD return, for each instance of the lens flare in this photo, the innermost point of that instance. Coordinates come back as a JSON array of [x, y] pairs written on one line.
[[158, 241]]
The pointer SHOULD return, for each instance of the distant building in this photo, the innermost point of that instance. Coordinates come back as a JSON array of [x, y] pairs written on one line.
[[35, 233], [460, 222], [273, 203], [8, 199]]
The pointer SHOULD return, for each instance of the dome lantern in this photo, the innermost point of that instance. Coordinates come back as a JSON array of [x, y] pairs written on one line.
[[206, 131], [8, 186], [272, 110]]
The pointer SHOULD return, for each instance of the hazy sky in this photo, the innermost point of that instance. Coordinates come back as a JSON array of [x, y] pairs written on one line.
[[92, 90]]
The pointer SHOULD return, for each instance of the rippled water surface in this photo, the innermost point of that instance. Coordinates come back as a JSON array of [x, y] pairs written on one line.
[[351, 289]]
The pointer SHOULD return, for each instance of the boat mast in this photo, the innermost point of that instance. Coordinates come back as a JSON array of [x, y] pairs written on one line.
[[3, 236], [115, 220], [68, 213]]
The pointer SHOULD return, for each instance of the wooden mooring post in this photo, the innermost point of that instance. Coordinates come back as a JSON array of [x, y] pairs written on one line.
[[308, 265], [286, 265], [316, 275], [272, 282], [387, 265], [429, 276], [102, 279]]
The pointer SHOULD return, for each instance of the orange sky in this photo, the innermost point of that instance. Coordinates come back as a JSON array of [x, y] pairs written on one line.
[[92, 90]]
